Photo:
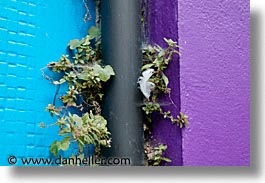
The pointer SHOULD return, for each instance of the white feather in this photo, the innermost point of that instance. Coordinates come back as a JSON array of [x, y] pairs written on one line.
[[145, 85]]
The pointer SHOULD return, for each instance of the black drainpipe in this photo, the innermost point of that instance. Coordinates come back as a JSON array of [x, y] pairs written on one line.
[[121, 41]]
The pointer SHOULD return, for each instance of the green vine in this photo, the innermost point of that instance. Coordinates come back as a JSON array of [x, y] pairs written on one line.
[[79, 117], [153, 83]]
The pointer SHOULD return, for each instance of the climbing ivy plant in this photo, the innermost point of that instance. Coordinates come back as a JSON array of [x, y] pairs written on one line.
[[79, 116], [152, 84]]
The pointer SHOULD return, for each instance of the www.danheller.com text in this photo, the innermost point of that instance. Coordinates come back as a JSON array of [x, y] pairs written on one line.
[[75, 160]]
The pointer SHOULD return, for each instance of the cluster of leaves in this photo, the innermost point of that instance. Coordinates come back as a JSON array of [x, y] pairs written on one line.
[[153, 83], [154, 154], [79, 118], [88, 129]]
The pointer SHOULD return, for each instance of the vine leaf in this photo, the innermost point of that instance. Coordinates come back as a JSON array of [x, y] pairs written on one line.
[[103, 73], [54, 148], [165, 79], [61, 81], [78, 121], [64, 145], [83, 75], [147, 66], [94, 32], [74, 44]]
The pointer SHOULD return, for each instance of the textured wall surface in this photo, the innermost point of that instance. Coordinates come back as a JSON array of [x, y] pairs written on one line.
[[162, 22], [215, 81], [32, 33]]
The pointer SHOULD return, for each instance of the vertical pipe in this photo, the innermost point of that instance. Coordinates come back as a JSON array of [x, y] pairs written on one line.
[[121, 41]]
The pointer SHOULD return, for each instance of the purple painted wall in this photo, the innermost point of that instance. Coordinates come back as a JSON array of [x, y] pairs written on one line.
[[214, 72], [215, 81], [162, 22]]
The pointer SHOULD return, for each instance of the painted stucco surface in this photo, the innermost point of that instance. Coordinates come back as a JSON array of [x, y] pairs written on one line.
[[215, 81], [162, 22], [32, 33]]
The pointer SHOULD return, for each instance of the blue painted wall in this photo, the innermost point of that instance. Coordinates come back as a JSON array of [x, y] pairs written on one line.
[[32, 33]]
